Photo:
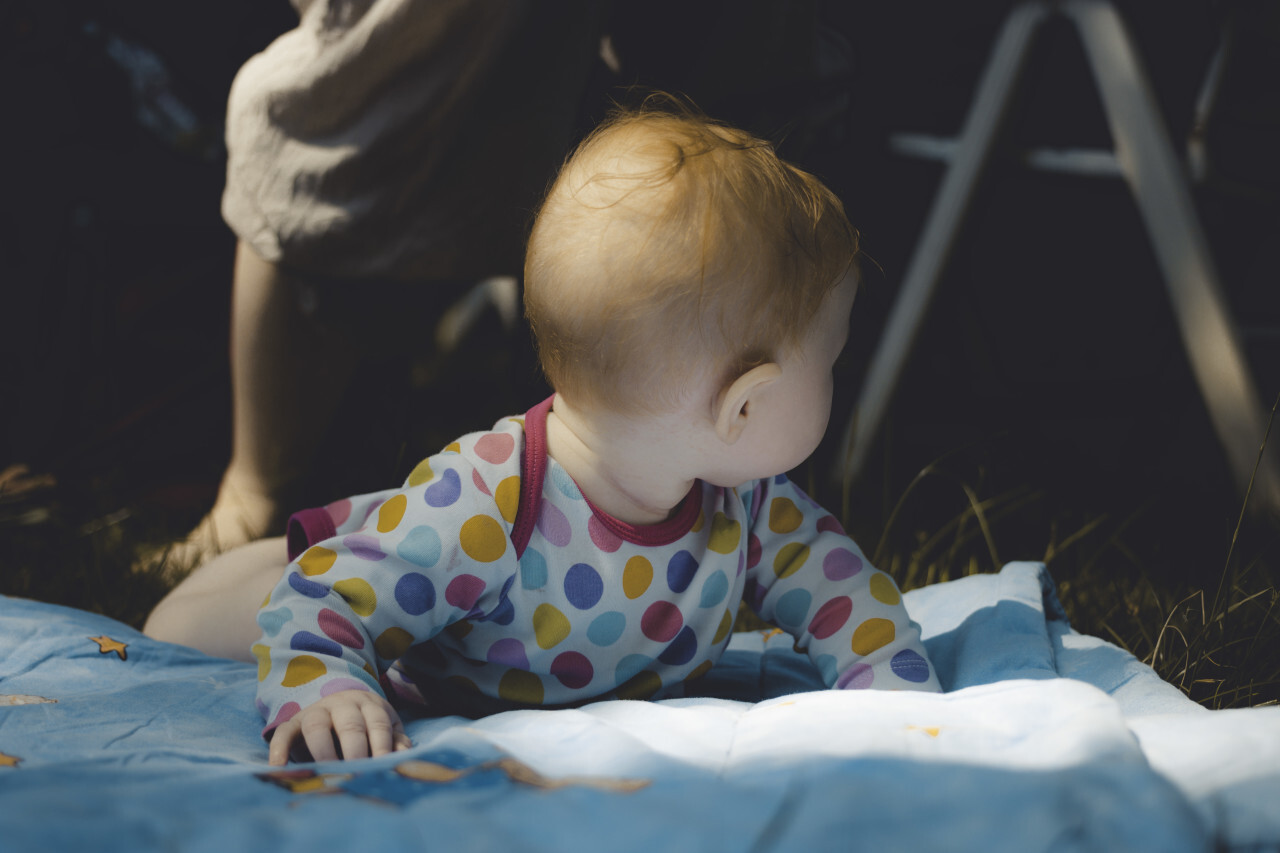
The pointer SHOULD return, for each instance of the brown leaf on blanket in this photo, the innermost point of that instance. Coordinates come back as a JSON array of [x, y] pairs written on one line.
[[429, 771], [106, 646], [305, 781], [20, 699]]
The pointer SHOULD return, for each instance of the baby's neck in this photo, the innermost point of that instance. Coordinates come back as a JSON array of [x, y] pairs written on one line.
[[628, 467]]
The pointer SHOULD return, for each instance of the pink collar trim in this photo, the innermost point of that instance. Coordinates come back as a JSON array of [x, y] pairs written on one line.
[[533, 473]]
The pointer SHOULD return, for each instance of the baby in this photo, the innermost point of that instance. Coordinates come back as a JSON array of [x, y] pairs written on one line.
[[689, 293]]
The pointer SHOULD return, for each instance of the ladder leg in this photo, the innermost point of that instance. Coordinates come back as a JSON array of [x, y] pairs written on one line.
[[1156, 178]]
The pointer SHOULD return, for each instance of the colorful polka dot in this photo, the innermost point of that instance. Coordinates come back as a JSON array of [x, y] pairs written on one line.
[[682, 648], [699, 671], [421, 546], [857, 677], [339, 629], [415, 593], [533, 569], [831, 617], [358, 594], [680, 571], [316, 560], [661, 621], [872, 635], [550, 626], [641, 686], [507, 497], [509, 652], [726, 534], [910, 666], [826, 665], [606, 629], [603, 538], [390, 513], [726, 625], [583, 586], [482, 538], [754, 551], [459, 630], [636, 576], [564, 483], [784, 516], [340, 684], [481, 486], [883, 590], [305, 641], [830, 524], [444, 491], [714, 590], [516, 685], [339, 511], [793, 607], [263, 654], [631, 666], [573, 669], [392, 643], [464, 591], [420, 474], [364, 547], [553, 525], [302, 670], [287, 712], [790, 559], [271, 621], [495, 447], [699, 522], [505, 612], [310, 589], [841, 564], [452, 447]]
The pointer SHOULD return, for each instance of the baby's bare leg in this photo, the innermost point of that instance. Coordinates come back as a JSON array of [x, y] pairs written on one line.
[[215, 609]]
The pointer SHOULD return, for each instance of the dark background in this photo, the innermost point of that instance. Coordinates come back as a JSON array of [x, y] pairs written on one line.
[[1050, 359]]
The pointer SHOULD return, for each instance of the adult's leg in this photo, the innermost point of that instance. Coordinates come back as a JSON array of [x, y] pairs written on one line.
[[288, 376]]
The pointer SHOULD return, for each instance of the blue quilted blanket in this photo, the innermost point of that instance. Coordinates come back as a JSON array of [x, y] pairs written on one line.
[[1046, 739]]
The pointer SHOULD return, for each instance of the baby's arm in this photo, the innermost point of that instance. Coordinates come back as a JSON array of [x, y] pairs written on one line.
[[808, 577], [348, 607], [363, 724]]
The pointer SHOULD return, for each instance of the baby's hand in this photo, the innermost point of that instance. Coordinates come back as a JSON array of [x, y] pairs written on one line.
[[361, 722]]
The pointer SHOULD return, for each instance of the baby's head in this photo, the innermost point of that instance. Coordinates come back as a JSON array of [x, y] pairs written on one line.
[[672, 249]]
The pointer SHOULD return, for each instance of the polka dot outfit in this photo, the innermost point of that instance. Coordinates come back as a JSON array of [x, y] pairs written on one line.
[[489, 573]]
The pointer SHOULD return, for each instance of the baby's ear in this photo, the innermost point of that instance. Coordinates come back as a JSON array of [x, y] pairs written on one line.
[[733, 409]]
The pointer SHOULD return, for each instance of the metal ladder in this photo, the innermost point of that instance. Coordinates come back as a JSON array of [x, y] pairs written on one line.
[[1145, 158]]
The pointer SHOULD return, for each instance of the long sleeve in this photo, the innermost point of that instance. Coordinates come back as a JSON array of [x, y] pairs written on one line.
[[400, 567], [809, 578]]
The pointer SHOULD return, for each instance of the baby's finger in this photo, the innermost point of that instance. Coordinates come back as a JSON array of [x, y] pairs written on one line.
[[378, 726], [281, 739], [350, 727], [400, 740], [317, 731]]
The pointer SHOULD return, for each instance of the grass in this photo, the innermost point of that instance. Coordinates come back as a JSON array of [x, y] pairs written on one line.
[[1214, 635]]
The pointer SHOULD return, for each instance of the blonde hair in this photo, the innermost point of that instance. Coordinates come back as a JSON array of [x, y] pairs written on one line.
[[669, 240]]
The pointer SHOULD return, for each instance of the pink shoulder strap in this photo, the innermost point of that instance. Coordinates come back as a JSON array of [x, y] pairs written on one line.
[[533, 471]]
